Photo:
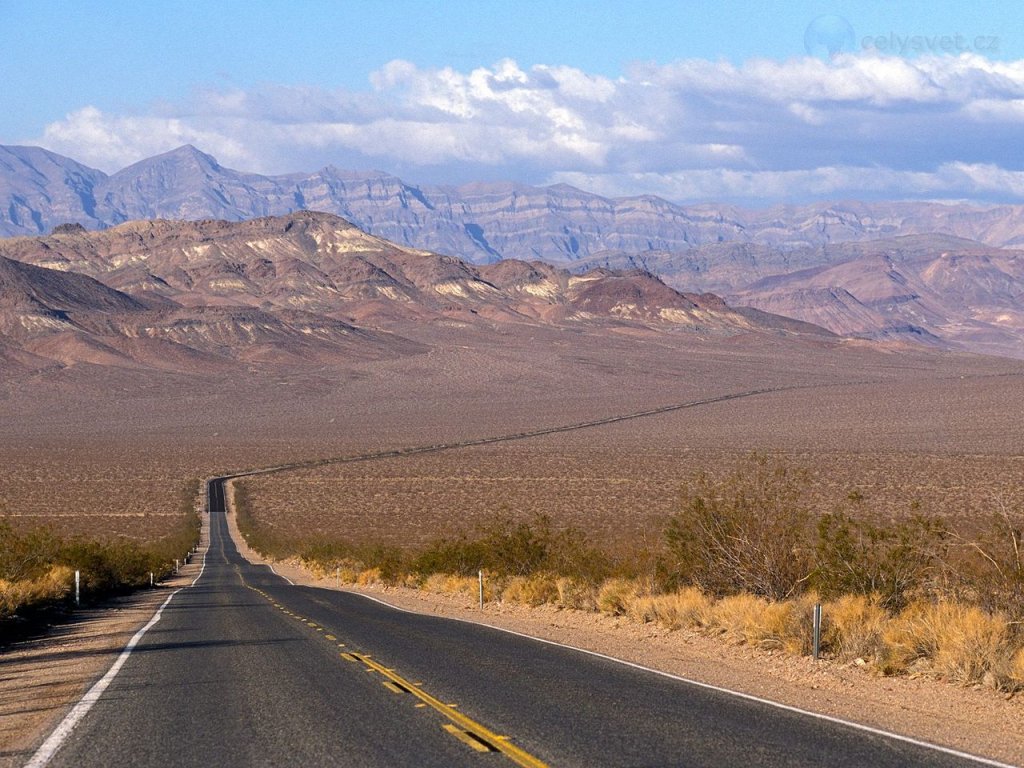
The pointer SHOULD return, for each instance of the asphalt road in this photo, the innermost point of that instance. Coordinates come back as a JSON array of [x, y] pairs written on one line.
[[244, 669]]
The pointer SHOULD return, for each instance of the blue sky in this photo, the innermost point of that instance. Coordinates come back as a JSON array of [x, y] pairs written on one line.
[[689, 100]]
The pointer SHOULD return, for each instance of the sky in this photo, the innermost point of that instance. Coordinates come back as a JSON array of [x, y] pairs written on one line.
[[748, 103]]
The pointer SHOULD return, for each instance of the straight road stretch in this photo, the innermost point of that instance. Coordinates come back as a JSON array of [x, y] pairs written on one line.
[[245, 669]]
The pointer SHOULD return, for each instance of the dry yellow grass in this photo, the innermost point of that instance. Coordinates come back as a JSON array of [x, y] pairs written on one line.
[[368, 576], [853, 627], [960, 642], [688, 607], [576, 594], [537, 589], [55, 584], [457, 585], [747, 619], [1016, 670], [617, 596]]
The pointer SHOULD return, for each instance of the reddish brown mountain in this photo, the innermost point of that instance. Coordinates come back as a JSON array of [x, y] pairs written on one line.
[[302, 288]]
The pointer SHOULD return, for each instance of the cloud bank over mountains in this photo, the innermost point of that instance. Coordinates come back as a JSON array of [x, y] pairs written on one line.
[[859, 126]]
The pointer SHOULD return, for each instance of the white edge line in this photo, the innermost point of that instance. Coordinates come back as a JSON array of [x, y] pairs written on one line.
[[201, 572], [64, 729], [710, 687], [271, 567], [226, 505]]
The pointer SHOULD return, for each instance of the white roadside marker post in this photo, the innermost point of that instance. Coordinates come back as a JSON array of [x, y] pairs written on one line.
[[175, 566], [817, 630], [151, 578], [78, 581]]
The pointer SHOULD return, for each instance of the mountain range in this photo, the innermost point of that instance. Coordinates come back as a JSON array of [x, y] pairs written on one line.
[[306, 288], [479, 222], [941, 274]]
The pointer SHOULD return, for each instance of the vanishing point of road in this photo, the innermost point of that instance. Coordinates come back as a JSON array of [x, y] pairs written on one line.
[[245, 669]]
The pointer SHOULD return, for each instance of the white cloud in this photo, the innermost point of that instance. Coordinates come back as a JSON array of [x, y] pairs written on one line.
[[860, 125], [112, 142]]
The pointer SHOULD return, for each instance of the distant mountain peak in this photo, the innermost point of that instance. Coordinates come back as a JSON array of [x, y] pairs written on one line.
[[186, 154]]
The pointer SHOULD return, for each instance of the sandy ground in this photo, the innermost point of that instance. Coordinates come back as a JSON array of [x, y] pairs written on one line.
[[41, 679], [974, 720]]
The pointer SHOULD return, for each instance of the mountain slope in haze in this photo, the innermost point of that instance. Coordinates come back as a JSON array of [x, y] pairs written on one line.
[[478, 222], [933, 289], [962, 294], [305, 288], [49, 317]]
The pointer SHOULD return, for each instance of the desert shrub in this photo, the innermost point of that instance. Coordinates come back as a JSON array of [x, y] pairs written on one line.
[[745, 533], [516, 548], [459, 556], [990, 567], [970, 642], [641, 609], [26, 556], [109, 567], [390, 562], [894, 561]]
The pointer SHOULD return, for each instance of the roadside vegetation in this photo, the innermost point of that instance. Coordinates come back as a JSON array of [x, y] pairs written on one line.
[[746, 558], [37, 566]]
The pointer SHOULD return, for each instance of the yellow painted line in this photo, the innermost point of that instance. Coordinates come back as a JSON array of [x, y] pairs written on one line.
[[467, 738], [472, 729], [465, 729]]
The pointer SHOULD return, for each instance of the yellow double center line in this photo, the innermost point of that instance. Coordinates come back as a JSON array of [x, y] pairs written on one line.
[[467, 729], [464, 728]]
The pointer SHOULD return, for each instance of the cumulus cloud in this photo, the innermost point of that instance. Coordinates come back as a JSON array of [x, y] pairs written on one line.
[[859, 125]]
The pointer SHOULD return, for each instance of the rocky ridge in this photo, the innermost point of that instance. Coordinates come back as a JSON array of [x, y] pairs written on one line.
[[304, 288]]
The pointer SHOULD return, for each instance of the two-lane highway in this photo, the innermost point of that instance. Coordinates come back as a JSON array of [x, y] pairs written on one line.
[[244, 669]]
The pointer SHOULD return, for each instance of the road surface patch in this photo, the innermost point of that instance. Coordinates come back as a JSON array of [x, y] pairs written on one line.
[[465, 729]]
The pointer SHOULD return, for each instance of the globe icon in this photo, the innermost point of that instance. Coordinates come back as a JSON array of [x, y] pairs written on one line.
[[828, 36]]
